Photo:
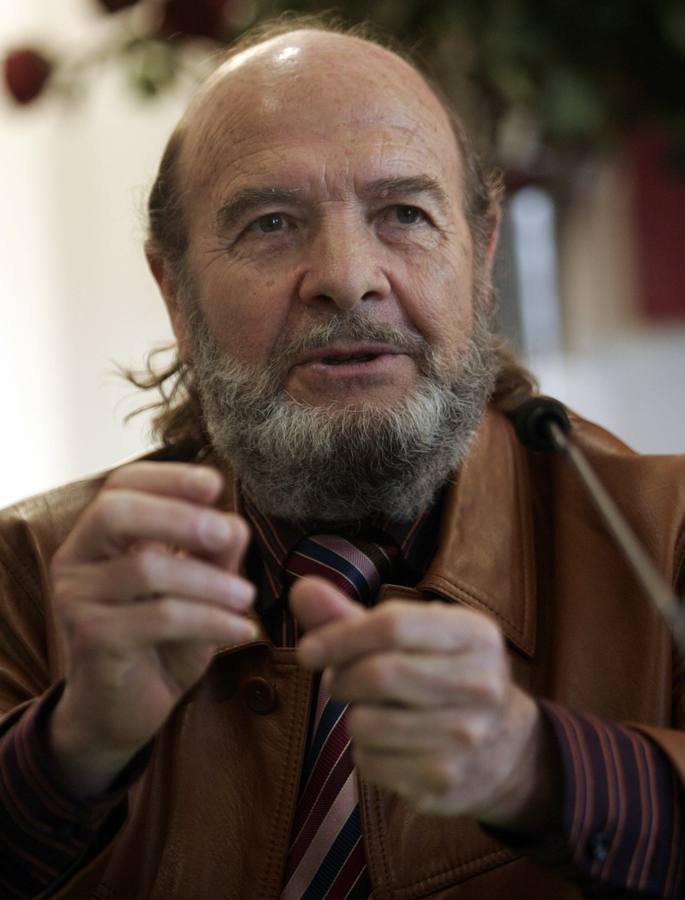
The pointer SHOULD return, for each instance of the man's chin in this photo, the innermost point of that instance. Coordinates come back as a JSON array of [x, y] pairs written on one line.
[[356, 404]]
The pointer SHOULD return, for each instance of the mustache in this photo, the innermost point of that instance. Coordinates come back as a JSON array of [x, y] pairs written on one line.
[[348, 328]]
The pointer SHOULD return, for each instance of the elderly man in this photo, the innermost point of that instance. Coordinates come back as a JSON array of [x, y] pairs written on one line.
[[323, 240]]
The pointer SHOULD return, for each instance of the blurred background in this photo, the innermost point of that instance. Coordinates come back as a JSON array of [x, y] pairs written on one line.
[[579, 104]]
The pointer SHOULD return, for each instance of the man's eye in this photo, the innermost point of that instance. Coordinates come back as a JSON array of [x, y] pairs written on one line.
[[408, 215], [270, 222]]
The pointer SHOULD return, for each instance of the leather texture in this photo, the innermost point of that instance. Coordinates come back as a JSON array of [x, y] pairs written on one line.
[[210, 817]]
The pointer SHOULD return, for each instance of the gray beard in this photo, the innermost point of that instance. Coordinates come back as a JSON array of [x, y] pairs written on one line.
[[338, 464]]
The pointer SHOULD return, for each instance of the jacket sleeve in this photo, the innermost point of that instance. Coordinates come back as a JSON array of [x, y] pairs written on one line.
[[44, 832], [622, 826]]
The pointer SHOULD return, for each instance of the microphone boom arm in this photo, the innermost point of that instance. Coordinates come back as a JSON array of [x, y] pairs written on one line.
[[542, 424], [645, 571]]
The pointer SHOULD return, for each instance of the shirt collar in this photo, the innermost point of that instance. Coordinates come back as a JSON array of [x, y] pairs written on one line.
[[275, 538]]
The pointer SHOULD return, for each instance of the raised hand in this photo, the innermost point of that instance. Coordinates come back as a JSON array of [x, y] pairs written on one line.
[[145, 588], [434, 715]]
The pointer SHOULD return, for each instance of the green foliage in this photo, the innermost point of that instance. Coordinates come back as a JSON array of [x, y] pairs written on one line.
[[578, 73], [585, 71]]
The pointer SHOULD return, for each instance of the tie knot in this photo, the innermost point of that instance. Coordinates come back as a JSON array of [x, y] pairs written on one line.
[[356, 566]]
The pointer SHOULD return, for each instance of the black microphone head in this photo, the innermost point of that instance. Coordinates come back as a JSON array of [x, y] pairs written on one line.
[[533, 418]]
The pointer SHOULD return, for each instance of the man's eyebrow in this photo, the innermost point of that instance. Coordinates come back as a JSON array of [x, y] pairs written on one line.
[[249, 199], [406, 187]]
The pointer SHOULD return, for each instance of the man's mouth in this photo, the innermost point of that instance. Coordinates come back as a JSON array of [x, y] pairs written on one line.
[[336, 369], [353, 357], [347, 354]]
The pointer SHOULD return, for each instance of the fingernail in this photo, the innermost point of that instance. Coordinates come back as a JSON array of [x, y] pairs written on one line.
[[311, 652], [244, 593], [215, 530], [202, 478]]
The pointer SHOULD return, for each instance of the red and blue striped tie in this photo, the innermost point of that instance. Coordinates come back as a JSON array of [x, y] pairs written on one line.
[[326, 857]]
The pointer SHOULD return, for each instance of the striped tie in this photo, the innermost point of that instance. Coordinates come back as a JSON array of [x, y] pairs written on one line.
[[326, 857]]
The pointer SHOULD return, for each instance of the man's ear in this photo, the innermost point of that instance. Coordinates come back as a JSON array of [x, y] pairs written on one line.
[[168, 288]]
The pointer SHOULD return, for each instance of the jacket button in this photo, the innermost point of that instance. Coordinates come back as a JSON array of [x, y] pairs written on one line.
[[259, 695]]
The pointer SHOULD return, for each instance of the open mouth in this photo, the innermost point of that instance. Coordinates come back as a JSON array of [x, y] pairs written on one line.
[[354, 358]]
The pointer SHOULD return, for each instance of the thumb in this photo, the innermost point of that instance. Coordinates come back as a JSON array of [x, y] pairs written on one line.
[[316, 602]]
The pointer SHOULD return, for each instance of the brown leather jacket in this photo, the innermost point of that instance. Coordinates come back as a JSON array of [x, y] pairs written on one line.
[[210, 818]]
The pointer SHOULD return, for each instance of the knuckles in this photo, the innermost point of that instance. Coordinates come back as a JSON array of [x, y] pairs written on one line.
[[110, 510], [441, 775], [240, 530], [490, 689], [145, 569], [472, 731], [167, 615], [369, 678], [391, 623], [376, 674]]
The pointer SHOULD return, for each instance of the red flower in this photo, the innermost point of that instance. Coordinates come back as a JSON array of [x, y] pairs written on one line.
[[194, 18], [26, 72], [113, 6]]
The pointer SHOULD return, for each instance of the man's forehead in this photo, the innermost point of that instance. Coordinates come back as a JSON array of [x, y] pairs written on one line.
[[312, 85]]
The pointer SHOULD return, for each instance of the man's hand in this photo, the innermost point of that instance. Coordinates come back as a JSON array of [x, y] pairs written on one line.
[[145, 587], [434, 715]]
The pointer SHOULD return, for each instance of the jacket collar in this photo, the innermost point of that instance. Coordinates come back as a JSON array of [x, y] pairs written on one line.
[[486, 556]]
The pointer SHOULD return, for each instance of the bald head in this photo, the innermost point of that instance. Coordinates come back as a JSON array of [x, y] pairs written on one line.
[[324, 82], [311, 92]]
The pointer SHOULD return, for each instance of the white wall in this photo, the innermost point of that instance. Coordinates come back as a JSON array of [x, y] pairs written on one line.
[[75, 295], [618, 369], [633, 384]]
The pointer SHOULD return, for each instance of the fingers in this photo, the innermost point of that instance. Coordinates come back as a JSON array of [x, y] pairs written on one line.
[[497, 766], [199, 484], [412, 731], [315, 602], [423, 680], [430, 700], [395, 625], [151, 534], [115, 631], [153, 571], [119, 518]]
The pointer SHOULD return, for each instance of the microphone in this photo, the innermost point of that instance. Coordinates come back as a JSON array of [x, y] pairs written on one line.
[[532, 421], [542, 424]]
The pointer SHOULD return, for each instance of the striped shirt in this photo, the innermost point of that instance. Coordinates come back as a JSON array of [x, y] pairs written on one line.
[[622, 823]]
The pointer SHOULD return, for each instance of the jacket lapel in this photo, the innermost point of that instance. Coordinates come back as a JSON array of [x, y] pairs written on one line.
[[486, 556]]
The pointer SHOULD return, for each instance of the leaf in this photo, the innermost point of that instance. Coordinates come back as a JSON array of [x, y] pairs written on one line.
[[154, 65]]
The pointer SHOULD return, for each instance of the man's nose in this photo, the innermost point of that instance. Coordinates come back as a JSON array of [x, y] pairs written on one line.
[[344, 266]]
